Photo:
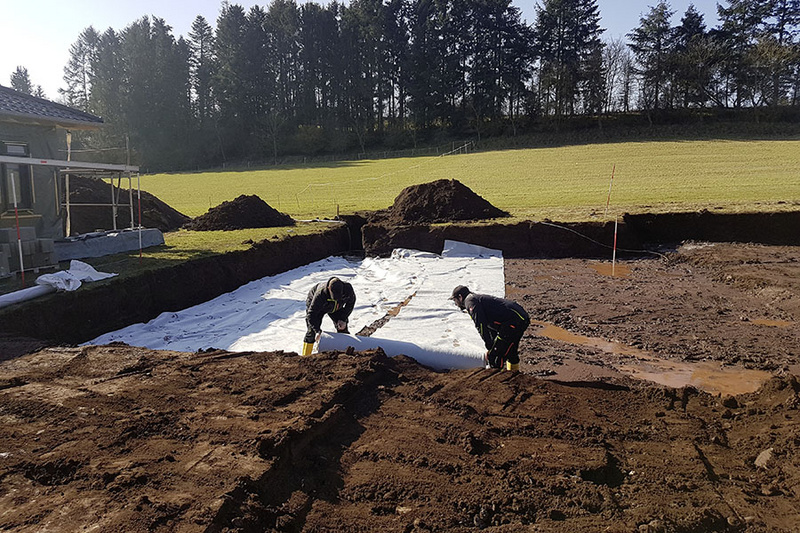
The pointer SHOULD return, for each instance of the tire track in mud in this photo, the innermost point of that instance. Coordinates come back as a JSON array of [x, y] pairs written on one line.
[[305, 459]]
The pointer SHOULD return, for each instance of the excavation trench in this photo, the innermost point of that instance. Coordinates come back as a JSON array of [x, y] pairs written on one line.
[[118, 437]]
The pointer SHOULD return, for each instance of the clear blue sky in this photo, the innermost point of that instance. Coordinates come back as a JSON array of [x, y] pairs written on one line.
[[37, 34]]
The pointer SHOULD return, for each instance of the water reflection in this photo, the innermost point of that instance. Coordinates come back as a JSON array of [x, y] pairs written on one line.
[[609, 269], [707, 376]]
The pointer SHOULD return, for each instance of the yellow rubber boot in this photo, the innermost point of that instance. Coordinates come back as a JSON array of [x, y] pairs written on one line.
[[514, 367], [307, 347]]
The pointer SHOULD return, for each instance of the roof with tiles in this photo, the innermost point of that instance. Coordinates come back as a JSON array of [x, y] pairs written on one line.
[[24, 108]]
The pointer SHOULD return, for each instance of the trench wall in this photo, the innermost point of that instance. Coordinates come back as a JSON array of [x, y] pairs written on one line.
[[75, 317], [94, 309], [524, 239], [534, 239]]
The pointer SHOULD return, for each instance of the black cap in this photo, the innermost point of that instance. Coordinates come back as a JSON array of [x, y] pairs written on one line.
[[460, 290], [336, 288]]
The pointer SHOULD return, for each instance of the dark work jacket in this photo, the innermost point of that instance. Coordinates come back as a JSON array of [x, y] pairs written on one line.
[[491, 315], [319, 303]]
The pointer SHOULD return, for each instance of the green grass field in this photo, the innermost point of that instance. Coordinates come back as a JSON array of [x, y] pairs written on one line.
[[566, 183]]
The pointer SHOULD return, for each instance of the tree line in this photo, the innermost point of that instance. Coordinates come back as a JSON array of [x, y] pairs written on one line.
[[311, 79]]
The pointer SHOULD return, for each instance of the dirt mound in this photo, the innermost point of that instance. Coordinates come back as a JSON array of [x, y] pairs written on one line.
[[437, 201], [86, 219], [242, 212]]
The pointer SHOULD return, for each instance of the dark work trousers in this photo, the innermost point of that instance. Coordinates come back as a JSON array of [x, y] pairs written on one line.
[[506, 344]]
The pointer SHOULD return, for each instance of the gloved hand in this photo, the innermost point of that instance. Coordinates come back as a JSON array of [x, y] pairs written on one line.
[[316, 339], [341, 326]]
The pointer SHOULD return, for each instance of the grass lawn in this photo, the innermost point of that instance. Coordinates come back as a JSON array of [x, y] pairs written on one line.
[[565, 183]]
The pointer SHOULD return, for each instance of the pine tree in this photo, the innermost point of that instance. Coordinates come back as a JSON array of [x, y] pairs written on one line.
[[227, 80], [21, 81], [201, 64], [78, 71], [569, 52], [651, 44]]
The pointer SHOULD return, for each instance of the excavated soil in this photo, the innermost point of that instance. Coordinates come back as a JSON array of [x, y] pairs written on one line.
[[86, 219], [118, 438], [242, 212], [434, 202]]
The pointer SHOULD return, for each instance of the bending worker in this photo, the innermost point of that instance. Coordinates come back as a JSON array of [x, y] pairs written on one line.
[[335, 298], [500, 322]]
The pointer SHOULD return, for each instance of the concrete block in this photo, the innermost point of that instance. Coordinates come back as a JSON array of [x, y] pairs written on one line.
[[28, 247], [4, 268], [43, 259], [9, 235], [45, 245]]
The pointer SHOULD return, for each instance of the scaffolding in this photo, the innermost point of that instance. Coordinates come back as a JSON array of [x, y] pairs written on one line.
[[97, 170], [68, 168]]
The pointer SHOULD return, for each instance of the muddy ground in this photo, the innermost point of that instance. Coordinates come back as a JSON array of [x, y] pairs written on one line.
[[117, 438]]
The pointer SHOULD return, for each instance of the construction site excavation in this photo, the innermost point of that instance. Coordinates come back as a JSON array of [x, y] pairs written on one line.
[[657, 389]]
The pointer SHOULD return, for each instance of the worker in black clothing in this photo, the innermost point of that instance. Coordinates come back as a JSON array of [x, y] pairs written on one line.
[[335, 298], [501, 323]]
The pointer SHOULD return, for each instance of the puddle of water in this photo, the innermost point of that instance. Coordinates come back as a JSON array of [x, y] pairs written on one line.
[[609, 269], [772, 323], [709, 377], [556, 333]]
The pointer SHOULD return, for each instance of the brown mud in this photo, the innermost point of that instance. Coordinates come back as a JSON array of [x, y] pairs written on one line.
[[119, 438]]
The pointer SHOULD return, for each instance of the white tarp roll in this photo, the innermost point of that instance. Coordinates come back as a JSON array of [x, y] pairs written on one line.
[[24, 294], [63, 280], [269, 314], [434, 357]]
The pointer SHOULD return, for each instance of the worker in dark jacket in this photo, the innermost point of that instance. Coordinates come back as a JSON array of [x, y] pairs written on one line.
[[501, 323], [335, 298]]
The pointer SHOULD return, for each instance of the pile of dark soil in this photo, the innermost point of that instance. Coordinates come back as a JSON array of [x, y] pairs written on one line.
[[437, 201], [243, 212], [86, 219]]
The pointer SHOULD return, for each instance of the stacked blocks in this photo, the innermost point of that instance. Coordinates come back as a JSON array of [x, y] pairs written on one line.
[[36, 253]]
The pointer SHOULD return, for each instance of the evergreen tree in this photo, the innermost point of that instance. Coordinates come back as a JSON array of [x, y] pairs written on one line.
[[741, 26], [426, 61], [781, 50], [201, 64], [78, 72], [569, 50], [281, 26], [228, 84], [652, 46], [21, 81], [694, 60], [318, 77]]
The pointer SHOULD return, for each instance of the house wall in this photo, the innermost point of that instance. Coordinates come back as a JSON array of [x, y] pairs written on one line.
[[44, 143]]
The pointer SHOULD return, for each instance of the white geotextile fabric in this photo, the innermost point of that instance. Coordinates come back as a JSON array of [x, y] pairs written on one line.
[[71, 280], [269, 314]]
